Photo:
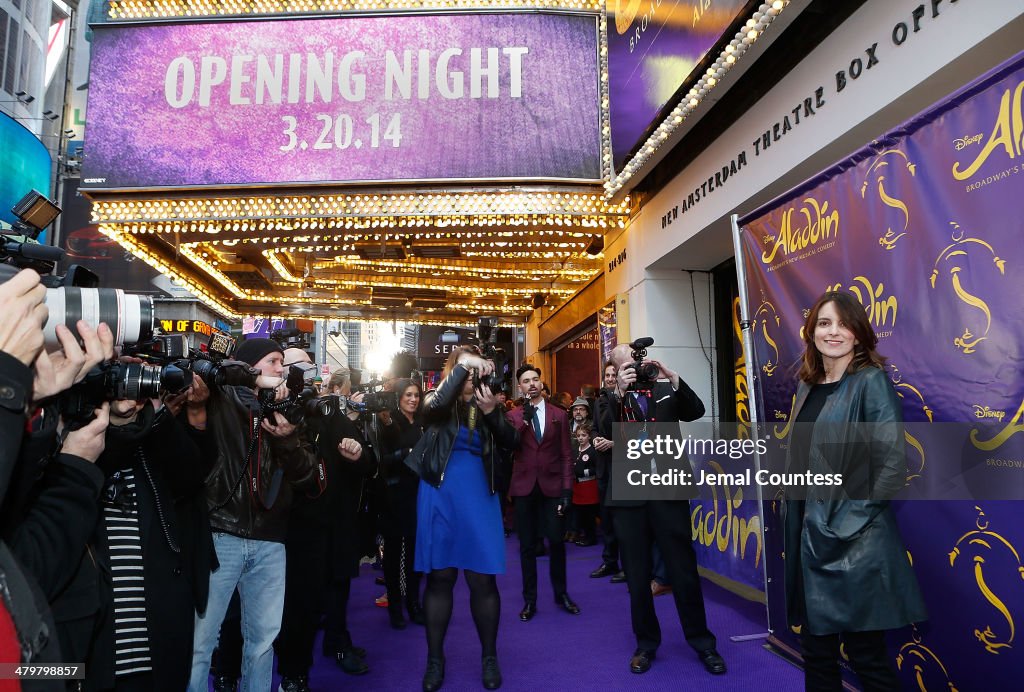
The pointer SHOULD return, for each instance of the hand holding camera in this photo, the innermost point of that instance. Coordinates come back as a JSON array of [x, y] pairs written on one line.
[[21, 333], [55, 372], [350, 449], [485, 398], [89, 441], [277, 425]]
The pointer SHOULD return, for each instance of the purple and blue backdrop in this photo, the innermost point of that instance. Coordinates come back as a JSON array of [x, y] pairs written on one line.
[[653, 46], [475, 96], [924, 227]]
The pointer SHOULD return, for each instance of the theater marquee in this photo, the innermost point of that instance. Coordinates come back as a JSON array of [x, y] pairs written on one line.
[[466, 97]]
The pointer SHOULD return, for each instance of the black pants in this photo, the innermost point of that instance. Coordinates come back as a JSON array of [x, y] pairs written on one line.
[[666, 523], [868, 658], [399, 557], [610, 553], [527, 509], [306, 575], [336, 634], [586, 521]]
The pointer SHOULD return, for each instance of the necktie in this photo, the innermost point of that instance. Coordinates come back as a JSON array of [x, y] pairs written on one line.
[[640, 406], [536, 425]]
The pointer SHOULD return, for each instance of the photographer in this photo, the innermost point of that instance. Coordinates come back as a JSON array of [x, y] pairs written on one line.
[[458, 514], [665, 523], [148, 569], [320, 533], [350, 461], [49, 491], [249, 492]]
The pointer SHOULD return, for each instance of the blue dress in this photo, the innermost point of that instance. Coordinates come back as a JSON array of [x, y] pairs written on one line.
[[459, 524]]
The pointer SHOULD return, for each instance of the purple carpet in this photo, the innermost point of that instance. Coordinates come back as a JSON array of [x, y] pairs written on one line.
[[555, 650]]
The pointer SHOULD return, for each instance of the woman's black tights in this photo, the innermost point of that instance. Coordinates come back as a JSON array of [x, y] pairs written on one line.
[[484, 603]]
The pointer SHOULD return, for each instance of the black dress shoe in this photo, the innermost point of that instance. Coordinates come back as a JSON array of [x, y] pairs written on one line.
[[641, 661], [567, 604], [619, 578], [528, 611], [605, 570], [433, 678], [351, 662], [492, 674], [712, 661]]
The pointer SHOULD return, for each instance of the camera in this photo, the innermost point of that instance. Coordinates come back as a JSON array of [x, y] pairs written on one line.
[[646, 373], [487, 338], [75, 295], [113, 381], [216, 368], [291, 338]]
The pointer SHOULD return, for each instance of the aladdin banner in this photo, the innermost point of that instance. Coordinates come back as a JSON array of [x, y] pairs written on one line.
[[320, 100], [924, 227]]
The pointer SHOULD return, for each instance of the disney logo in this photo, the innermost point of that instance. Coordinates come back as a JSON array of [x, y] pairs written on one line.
[[986, 412], [962, 142]]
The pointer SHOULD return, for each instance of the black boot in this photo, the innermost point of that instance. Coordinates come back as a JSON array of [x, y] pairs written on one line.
[[416, 613], [395, 615], [433, 678], [492, 674]]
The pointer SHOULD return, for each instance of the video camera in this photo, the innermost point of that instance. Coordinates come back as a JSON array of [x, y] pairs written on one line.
[[646, 373], [487, 338], [291, 338], [113, 381], [75, 295]]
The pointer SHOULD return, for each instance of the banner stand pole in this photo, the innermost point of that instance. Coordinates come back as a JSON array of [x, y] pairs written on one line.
[[748, 351]]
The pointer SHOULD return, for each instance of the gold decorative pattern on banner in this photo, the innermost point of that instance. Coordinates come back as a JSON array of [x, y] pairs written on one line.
[[984, 540], [740, 378], [875, 171], [903, 391], [881, 311], [952, 254], [923, 660], [763, 317]]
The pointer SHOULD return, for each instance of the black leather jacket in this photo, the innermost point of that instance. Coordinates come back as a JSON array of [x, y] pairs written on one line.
[[280, 463], [439, 412]]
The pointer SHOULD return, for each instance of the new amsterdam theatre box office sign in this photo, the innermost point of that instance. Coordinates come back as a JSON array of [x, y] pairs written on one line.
[[385, 98]]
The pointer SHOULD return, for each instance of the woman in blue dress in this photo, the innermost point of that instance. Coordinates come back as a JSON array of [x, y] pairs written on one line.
[[458, 512]]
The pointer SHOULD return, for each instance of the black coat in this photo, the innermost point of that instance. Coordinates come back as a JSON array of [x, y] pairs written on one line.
[[400, 484], [169, 466], [441, 414], [847, 555], [338, 507]]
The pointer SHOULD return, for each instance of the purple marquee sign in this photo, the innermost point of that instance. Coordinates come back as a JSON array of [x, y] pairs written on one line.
[[475, 96], [652, 48]]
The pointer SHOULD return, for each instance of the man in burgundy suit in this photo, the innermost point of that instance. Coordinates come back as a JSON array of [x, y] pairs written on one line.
[[541, 487]]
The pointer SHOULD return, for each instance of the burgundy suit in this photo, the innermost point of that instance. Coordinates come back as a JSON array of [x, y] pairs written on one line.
[[541, 480], [547, 463]]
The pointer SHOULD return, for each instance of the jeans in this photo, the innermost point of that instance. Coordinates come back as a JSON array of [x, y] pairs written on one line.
[[257, 569]]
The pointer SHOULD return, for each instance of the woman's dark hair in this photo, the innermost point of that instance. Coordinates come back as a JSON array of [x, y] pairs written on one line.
[[853, 317]]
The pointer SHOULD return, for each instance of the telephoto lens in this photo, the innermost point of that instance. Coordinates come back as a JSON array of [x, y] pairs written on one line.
[[129, 315]]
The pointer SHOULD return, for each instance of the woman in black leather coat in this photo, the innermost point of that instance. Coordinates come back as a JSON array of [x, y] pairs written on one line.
[[458, 512], [847, 574], [402, 429]]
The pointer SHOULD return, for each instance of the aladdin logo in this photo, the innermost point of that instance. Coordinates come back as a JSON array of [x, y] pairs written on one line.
[[878, 305], [986, 412], [959, 144], [818, 224], [1006, 133]]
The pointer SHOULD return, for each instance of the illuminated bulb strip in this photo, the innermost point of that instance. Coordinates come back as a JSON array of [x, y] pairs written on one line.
[[727, 59], [413, 208], [162, 267], [161, 9], [213, 272]]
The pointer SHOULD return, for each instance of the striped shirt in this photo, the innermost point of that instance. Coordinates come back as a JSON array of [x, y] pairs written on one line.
[[121, 519]]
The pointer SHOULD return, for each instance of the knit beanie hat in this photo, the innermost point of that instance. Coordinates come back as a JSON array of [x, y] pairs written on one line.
[[252, 351]]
